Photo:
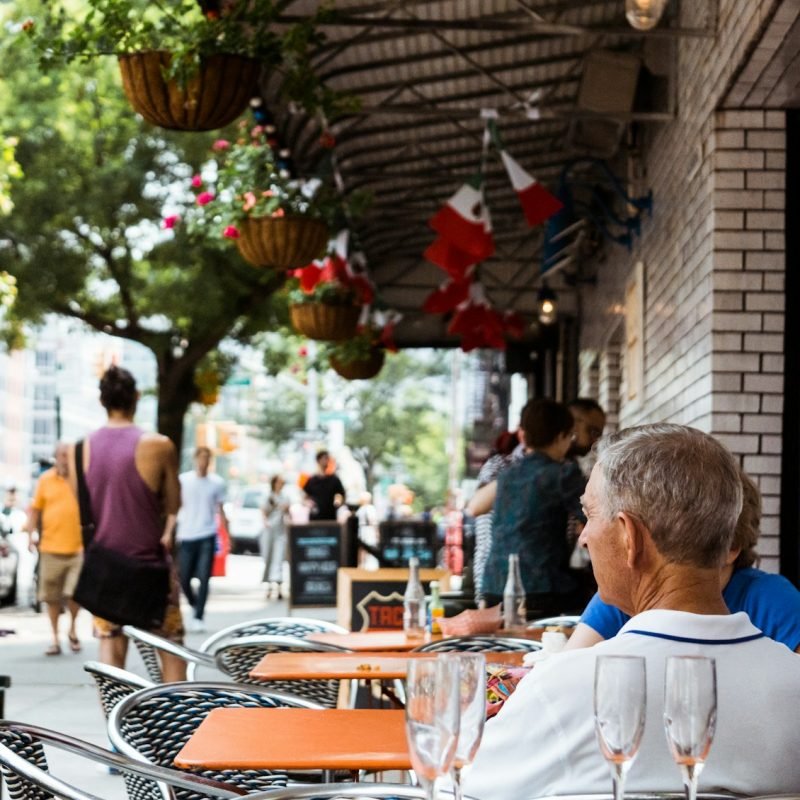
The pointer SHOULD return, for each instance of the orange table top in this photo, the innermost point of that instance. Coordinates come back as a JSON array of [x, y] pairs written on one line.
[[368, 640], [298, 738], [352, 666]]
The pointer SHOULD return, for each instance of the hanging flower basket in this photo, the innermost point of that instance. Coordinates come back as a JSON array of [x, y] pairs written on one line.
[[214, 97], [361, 369], [323, 322], [281, 242]]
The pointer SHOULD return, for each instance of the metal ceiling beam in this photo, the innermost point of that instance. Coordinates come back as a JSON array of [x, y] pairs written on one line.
[[490, 25]]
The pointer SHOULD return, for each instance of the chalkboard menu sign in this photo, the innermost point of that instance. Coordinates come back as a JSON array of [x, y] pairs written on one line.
[[401, 539], [315, 555]]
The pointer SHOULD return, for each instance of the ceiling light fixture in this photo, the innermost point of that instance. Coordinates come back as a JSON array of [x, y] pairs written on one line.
[[644, 14], [547, 305]]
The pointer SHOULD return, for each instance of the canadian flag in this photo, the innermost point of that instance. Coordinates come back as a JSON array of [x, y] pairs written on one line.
[[537, 203]]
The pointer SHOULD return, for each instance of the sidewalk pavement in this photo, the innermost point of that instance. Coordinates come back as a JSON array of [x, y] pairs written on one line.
[[55, 692]]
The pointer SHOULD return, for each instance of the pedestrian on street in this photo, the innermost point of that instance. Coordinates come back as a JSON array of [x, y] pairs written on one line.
[[273, 541], [324, 490], [202, 496], [132, 479], [54, 528]]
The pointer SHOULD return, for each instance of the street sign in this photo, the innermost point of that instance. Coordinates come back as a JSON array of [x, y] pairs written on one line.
[[334, 416], [240, 380]]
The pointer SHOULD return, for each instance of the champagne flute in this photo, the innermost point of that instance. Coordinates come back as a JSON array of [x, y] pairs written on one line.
[[432, 717], [620, 704], [690, 714], [472, 700]]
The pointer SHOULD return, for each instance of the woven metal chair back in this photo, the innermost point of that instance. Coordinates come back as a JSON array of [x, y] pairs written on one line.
[[480, 644], [25, 770], [150, 645], [298, 627], [329, 791], [113, 683], [238, 657], [154, 724], [563, 621]]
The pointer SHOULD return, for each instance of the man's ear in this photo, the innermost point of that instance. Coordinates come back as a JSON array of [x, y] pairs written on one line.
[[633, 538]]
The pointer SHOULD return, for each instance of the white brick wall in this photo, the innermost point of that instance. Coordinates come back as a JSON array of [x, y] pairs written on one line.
[[714, 264]]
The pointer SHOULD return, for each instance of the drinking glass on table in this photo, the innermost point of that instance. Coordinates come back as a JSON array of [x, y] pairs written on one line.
[[472, 701], [619, 713], [432, 717], [690, 714]]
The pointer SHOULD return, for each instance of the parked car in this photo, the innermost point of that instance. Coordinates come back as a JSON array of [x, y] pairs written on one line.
[[9, 560], [246, 520]]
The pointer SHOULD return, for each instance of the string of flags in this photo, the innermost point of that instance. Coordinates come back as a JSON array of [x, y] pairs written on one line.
[[465, 238]]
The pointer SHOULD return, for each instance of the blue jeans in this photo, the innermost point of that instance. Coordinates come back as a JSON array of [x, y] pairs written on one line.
[[196, 560]]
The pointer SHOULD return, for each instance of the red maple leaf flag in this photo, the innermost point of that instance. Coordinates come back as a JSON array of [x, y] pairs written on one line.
[[463, 221], [537, 203]]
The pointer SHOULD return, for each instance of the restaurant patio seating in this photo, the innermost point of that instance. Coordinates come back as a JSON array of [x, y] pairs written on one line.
[[27, 775], [114, 683], [479, 644], [153, 724], [149, 644], [362, 791], [298, 627], [238, 657]]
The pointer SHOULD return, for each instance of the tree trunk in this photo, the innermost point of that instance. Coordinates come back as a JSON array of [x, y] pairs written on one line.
[[176, 391]]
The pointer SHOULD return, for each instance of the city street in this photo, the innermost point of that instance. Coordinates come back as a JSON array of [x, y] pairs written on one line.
[[55, 692]]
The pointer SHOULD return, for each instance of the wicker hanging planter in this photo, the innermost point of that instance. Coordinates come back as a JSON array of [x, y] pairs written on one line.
[[324, 322], [217, 95], [362, 369], [282, 242]]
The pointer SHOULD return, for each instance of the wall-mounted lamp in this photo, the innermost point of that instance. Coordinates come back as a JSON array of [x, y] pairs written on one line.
[[547, 305], [644, 14]]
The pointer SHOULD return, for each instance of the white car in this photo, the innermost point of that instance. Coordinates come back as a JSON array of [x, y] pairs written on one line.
[[246, 520]]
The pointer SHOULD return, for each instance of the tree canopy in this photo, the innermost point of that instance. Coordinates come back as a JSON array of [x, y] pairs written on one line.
[[84, 236]]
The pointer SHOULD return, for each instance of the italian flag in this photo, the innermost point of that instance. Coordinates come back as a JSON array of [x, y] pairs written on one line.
[[537, 203], [464, 221]]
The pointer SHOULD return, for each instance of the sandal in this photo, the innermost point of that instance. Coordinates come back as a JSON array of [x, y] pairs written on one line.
[[53, 650], [74, 643]]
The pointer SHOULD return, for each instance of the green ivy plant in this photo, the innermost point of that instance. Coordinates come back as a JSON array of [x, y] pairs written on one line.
[[190, 31], [360, 348], [330, 293]]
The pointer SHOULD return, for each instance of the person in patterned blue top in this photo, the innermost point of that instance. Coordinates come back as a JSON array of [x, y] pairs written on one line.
[[771, 601], [534, 497]]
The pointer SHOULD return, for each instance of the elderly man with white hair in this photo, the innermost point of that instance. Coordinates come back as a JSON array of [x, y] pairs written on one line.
[[661, 507]]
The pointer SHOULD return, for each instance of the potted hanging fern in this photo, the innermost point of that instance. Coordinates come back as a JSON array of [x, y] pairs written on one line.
[[361, 357], [187, 64]]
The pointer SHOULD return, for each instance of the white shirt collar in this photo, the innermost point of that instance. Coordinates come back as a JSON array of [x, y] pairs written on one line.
[[684, 626]]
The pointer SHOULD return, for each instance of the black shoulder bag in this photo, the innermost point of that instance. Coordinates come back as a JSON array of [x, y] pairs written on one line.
[[112, 585]]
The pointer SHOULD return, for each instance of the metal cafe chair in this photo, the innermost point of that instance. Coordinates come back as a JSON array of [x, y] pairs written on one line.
[[298, 627], [480, 644], [27, 775], [237, 657], [150, 644], [152, 725], [563, 621], [114, 684]]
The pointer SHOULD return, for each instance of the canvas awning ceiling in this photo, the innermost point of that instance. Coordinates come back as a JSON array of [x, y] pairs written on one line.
[[424, 71]]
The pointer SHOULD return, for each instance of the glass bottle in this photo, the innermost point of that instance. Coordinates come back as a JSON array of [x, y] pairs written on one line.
[[414, 611], [435, 609], [514, 610]]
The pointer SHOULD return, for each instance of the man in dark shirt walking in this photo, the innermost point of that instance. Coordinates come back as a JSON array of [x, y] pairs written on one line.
[[325, 491]]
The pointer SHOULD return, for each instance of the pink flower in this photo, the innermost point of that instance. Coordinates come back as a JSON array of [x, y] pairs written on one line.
[[220, 144], [267, 193], [204, 198], [257, 131], [197, 181], [170, 221], [249, 201], [231, 232], [302, 352], [279, 213]]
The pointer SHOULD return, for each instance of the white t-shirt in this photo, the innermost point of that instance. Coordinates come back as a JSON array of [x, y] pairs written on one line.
[[199, 500], [543, 740]]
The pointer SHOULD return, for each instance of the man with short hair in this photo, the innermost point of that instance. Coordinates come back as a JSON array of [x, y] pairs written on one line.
[[590, 419], [325, 491], [202, 496], [54, 514], [661, 508]]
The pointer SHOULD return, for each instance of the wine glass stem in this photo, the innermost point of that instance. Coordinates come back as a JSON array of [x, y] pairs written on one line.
[[457, 793], [690, 780], [619, 782], [430, 788]]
